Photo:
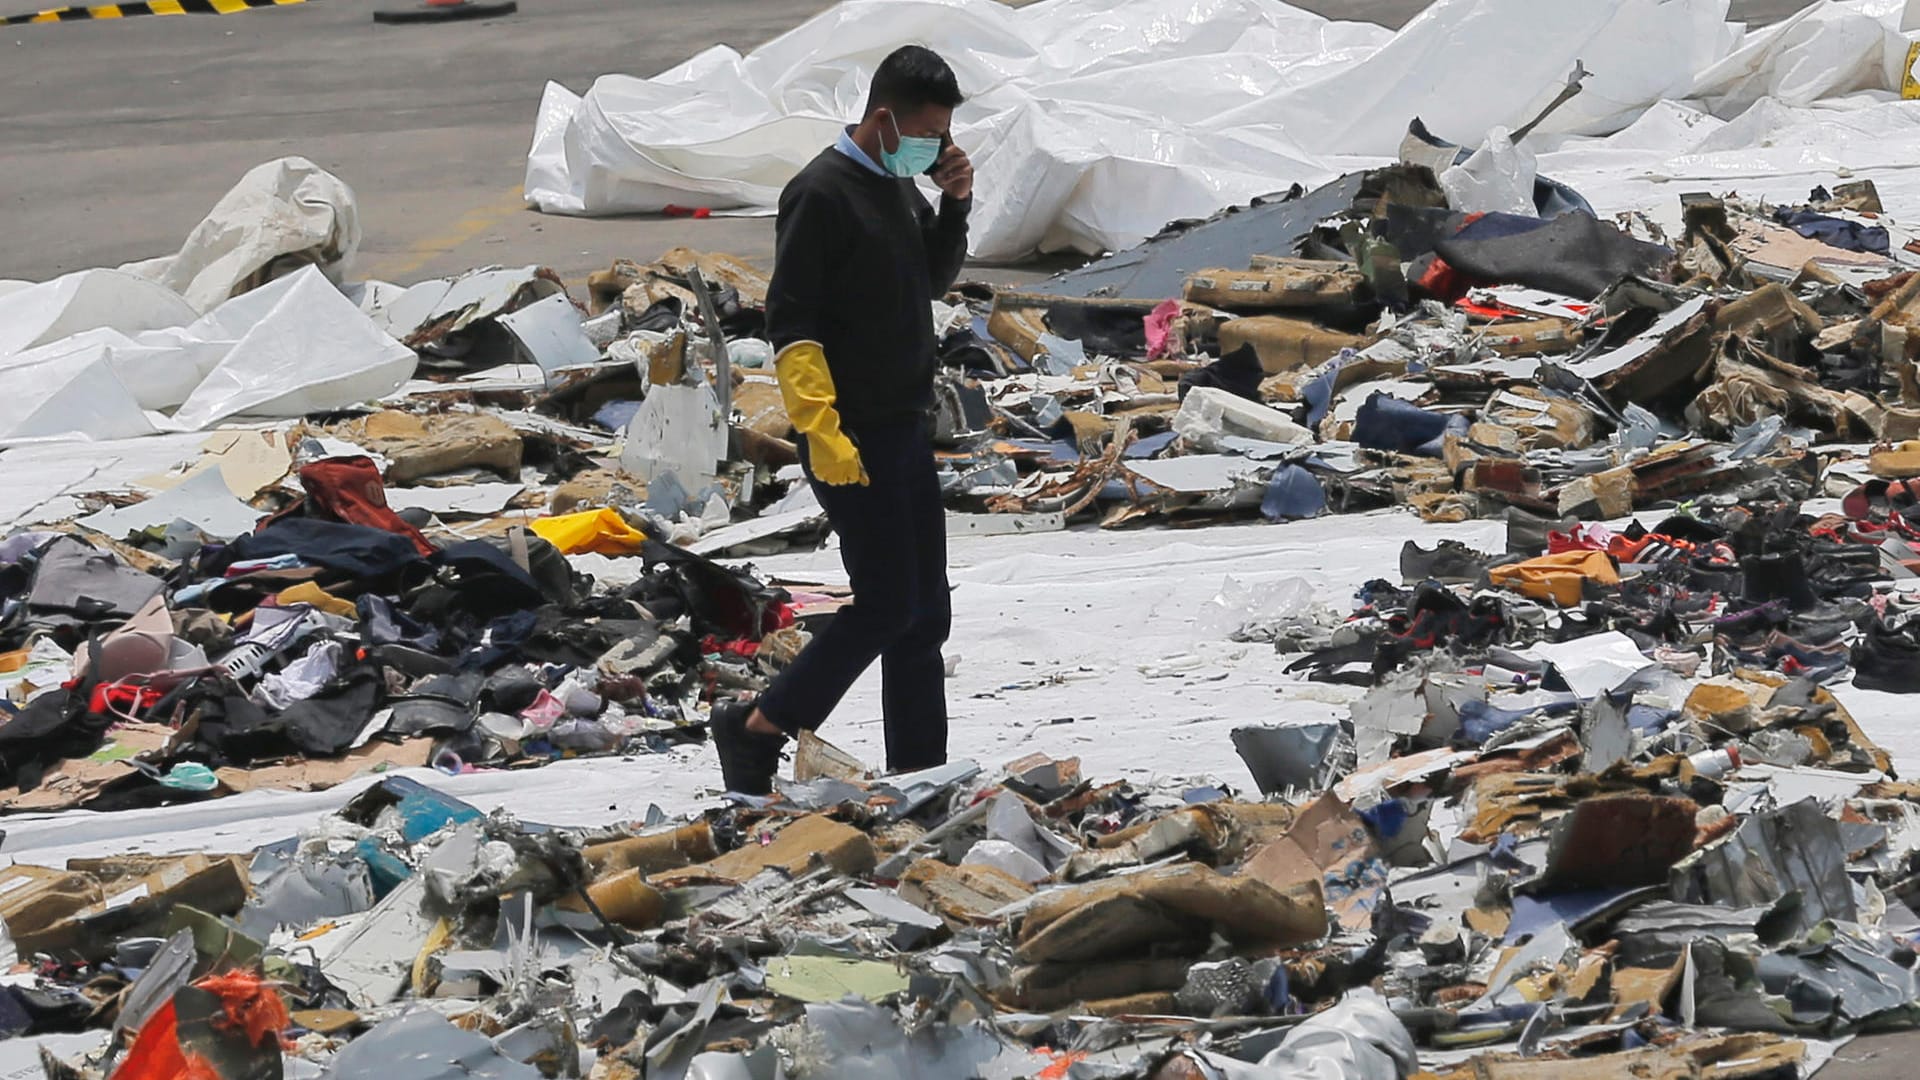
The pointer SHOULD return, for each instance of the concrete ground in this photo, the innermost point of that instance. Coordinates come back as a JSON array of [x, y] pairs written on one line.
[[118, 135]]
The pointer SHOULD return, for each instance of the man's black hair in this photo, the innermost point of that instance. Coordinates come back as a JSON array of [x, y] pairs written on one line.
[[913, 77]]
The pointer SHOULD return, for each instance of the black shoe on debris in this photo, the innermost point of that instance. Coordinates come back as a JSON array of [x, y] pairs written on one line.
[[1527, 533], [1780, 576], [748, 759], [1887, 660], [1450, 563], [1841, 569]]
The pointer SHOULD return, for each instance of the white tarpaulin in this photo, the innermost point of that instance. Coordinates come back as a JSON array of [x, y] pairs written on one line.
[[35, 315], [288, 348], [282, 215], [1092, 124]]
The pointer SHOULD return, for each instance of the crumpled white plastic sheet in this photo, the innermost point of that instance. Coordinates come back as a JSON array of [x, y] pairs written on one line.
[[1498, 178], [1091, 125], [282, 214], [291, 347], [1357, 1039], [37, 314]]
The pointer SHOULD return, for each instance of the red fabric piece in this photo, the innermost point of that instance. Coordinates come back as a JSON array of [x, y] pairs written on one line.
[[1443, 282], [744, 648], [1559, 542], [156, 1053], [349, 489], [1485, 311], [119, 699]]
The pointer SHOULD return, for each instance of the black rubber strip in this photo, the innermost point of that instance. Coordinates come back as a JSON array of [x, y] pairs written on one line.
[[470, 9]]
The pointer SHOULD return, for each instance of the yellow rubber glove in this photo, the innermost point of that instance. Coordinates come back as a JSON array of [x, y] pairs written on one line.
[[807, 387]]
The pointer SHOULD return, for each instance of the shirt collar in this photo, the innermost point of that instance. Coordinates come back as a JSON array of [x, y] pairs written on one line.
[[847, 146]]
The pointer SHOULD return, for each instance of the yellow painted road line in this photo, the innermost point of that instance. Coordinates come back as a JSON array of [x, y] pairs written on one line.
[[468, 228]]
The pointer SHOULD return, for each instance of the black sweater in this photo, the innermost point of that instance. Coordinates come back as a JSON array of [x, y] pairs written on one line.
[[858, 259]]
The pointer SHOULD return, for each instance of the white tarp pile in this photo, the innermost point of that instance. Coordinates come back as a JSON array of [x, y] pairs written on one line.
[[281, 215], [107, 354], [1093, 124]]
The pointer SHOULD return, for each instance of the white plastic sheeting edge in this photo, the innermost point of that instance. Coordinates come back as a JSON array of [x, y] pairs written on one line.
[[1091, 124]]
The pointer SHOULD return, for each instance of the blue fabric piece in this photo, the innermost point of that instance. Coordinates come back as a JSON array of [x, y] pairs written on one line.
[[1387, 423], [480, 569], [616, 415], [1279, 992], [187, 597], [1149, 446], [1200, 796], [1293, 493], [1501, 853], [1648, 718], [1386, 819], [278, 562], [359, 551], [847, 146], [1836, 232], [1495, 226], [1480, 721], [1318, 394]]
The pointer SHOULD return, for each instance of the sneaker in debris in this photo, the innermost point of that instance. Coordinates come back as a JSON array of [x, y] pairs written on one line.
[[1450, 562]]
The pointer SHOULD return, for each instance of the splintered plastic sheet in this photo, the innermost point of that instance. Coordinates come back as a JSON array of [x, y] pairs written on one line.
[[1091, 125]]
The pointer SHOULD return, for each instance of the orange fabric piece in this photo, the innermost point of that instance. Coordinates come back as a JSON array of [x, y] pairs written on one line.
[[602, 532], [1558, 578], [253, 1007], [308, 593], [253, 1010]]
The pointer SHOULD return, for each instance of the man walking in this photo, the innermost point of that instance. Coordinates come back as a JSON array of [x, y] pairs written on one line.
[[858, 258]]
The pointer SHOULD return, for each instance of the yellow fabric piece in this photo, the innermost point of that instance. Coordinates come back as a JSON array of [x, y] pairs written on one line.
[[807, 387], [602, 532], [308, 593], [1556, 577]]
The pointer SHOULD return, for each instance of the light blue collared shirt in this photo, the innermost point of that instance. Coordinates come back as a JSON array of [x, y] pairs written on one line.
[[847, 146]]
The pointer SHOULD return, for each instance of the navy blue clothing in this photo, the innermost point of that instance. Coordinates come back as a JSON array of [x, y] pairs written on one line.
[[893, 541]]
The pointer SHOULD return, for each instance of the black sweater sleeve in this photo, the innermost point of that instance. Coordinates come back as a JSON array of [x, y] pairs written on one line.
[[806, 236], [946, 241]]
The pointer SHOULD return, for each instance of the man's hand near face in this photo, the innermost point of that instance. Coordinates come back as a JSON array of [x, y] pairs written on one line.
[[953, 173]]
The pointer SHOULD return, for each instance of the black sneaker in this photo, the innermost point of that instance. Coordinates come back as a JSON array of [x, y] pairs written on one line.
[[1450, 563], [1887, 660], [748, 760]]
